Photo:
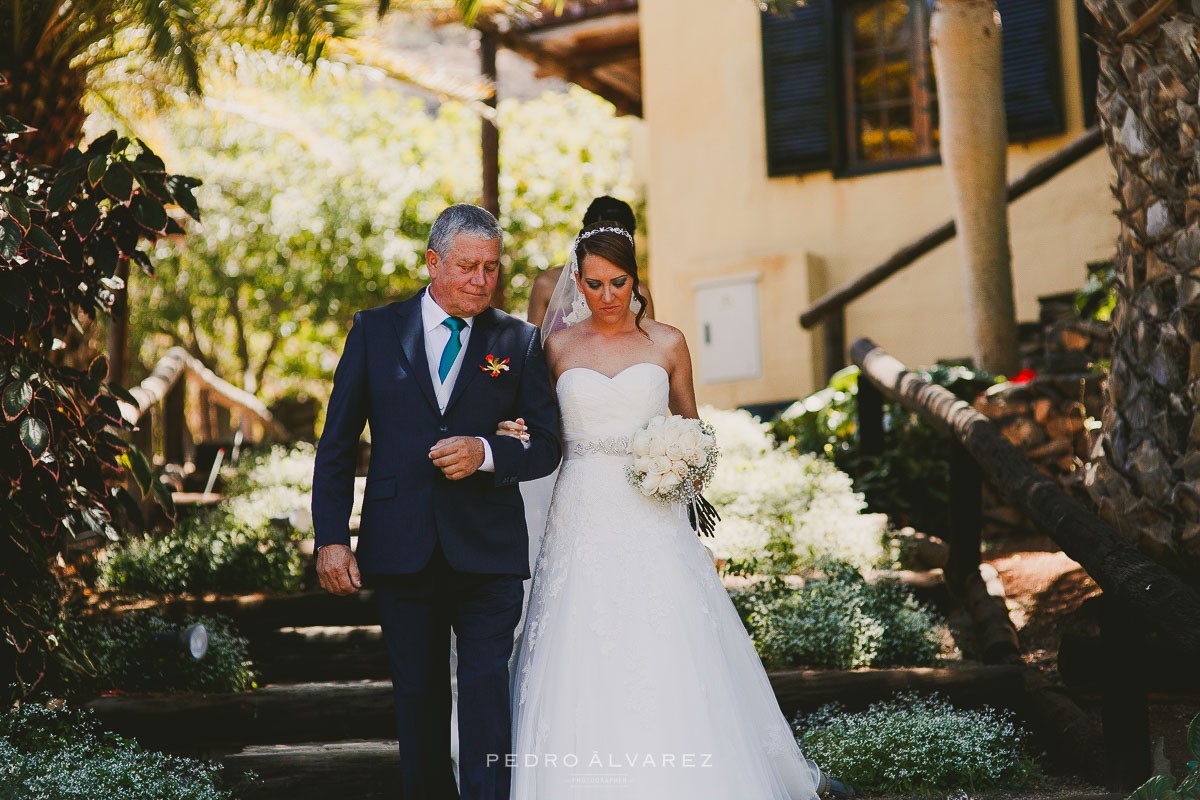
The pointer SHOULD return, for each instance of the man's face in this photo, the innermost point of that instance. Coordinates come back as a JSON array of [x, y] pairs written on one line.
[[462, 283]]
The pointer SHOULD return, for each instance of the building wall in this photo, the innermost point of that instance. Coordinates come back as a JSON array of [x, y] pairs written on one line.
[[712, 210]]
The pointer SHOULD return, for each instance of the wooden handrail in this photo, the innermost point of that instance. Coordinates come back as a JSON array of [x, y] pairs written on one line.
[[1038, 174], [177, 362], [1158, 596]]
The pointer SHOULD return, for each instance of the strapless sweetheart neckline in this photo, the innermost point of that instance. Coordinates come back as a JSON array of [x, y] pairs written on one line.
[[619, 372]]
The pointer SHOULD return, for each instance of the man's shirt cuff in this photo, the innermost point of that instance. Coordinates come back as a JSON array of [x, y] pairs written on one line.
[[487, 465]]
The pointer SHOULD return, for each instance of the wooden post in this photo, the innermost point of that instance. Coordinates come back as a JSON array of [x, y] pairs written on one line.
[[490, 147], [174, 423], [1126, 712], [118, 329], [870, 418], [966, 489], [834, 331], [142, 437]]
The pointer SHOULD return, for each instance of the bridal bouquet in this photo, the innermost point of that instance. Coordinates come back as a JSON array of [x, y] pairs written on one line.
[[673, 459]]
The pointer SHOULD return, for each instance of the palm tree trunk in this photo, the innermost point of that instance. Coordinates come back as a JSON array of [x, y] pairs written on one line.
[[1146, 480], [965, 39], [46, 97]]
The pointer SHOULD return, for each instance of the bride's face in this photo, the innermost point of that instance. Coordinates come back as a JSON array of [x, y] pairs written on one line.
[[606, 287]]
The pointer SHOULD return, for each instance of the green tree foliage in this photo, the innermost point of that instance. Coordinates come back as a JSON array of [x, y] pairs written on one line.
[[318, 199]]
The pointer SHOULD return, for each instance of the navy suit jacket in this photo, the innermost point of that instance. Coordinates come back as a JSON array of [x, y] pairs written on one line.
[[383, 379]]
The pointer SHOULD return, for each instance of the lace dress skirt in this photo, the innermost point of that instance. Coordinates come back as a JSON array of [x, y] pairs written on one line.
[[635, 678]]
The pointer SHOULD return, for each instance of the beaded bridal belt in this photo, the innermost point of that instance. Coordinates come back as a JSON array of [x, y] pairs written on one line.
[[608, 446]]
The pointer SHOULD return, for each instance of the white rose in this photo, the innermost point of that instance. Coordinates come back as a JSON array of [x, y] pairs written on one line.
[[641, 443], [650, 483], [642, 463], [660, 465], [697, 457], [691, 438], [680, 468], [676, 451], [657, 447], [668, 481]]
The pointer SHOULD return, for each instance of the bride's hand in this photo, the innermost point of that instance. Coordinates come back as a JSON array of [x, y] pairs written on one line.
[[515, 428]]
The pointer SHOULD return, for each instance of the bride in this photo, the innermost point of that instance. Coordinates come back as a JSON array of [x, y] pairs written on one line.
[[634, 677]]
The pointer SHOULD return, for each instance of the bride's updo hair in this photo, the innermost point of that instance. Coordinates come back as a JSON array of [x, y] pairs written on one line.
[[617, 249]]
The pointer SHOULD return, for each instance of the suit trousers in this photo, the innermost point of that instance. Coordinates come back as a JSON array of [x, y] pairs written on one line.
[[417, 612]]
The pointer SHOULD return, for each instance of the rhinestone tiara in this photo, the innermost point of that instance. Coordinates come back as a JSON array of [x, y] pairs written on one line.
[[607, 228]]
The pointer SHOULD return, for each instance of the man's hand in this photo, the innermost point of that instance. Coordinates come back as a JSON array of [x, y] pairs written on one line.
[[338, 569], [458, 456]]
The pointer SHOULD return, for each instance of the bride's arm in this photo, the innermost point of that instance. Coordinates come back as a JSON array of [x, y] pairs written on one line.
[[683, 394]]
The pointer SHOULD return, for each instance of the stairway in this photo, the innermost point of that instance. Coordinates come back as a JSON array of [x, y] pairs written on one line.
[[320, 724]]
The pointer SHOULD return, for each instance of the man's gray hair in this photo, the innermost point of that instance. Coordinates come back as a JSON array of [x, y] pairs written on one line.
[[462, 218]]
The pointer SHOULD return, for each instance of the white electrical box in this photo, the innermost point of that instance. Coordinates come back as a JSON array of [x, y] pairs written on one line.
[[730, 335]]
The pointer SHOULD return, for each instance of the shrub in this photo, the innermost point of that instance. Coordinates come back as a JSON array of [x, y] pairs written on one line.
[[918, 744], [127, 657], [909, 480], [781, 510], [838, 621], [66, 755], [209, 552]]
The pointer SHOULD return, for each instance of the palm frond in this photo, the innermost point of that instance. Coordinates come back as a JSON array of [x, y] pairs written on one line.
[[304, 27], [369, 52], [172, 36]]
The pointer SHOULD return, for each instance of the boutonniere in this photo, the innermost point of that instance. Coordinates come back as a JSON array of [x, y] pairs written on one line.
[[494, 366]]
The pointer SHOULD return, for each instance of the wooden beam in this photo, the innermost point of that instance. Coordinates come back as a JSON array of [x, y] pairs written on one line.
[[1159, 597]]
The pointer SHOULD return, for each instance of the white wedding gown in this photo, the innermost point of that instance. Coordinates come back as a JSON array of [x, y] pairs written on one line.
[[635, 679]]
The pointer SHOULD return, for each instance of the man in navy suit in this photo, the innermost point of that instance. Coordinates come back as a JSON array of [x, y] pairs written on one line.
[[442, 538]]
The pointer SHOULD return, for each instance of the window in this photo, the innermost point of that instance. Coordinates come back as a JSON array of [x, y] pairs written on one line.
[[849, 84], [891, 103]]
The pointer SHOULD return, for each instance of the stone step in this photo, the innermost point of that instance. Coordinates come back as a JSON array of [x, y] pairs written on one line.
[[332, 711], [365, 769], [288, 713], [320, 653], [258, 613]]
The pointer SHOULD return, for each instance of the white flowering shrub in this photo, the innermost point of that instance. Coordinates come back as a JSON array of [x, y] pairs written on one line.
[[272, 484], [780, 509], [281, 465], [919, 745], [66, 755], [838, 621]]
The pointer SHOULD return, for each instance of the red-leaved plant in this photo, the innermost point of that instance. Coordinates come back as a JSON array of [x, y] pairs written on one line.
[[63, 231]]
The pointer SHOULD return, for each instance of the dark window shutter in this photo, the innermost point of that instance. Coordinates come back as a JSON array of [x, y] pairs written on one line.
[[1089, 61], [798, 89], [1032, 79]]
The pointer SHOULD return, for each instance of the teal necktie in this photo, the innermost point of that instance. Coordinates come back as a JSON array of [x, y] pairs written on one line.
[[452, 347]]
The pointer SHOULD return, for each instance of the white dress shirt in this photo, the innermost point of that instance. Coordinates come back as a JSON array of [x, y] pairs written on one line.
[[436, 337]]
